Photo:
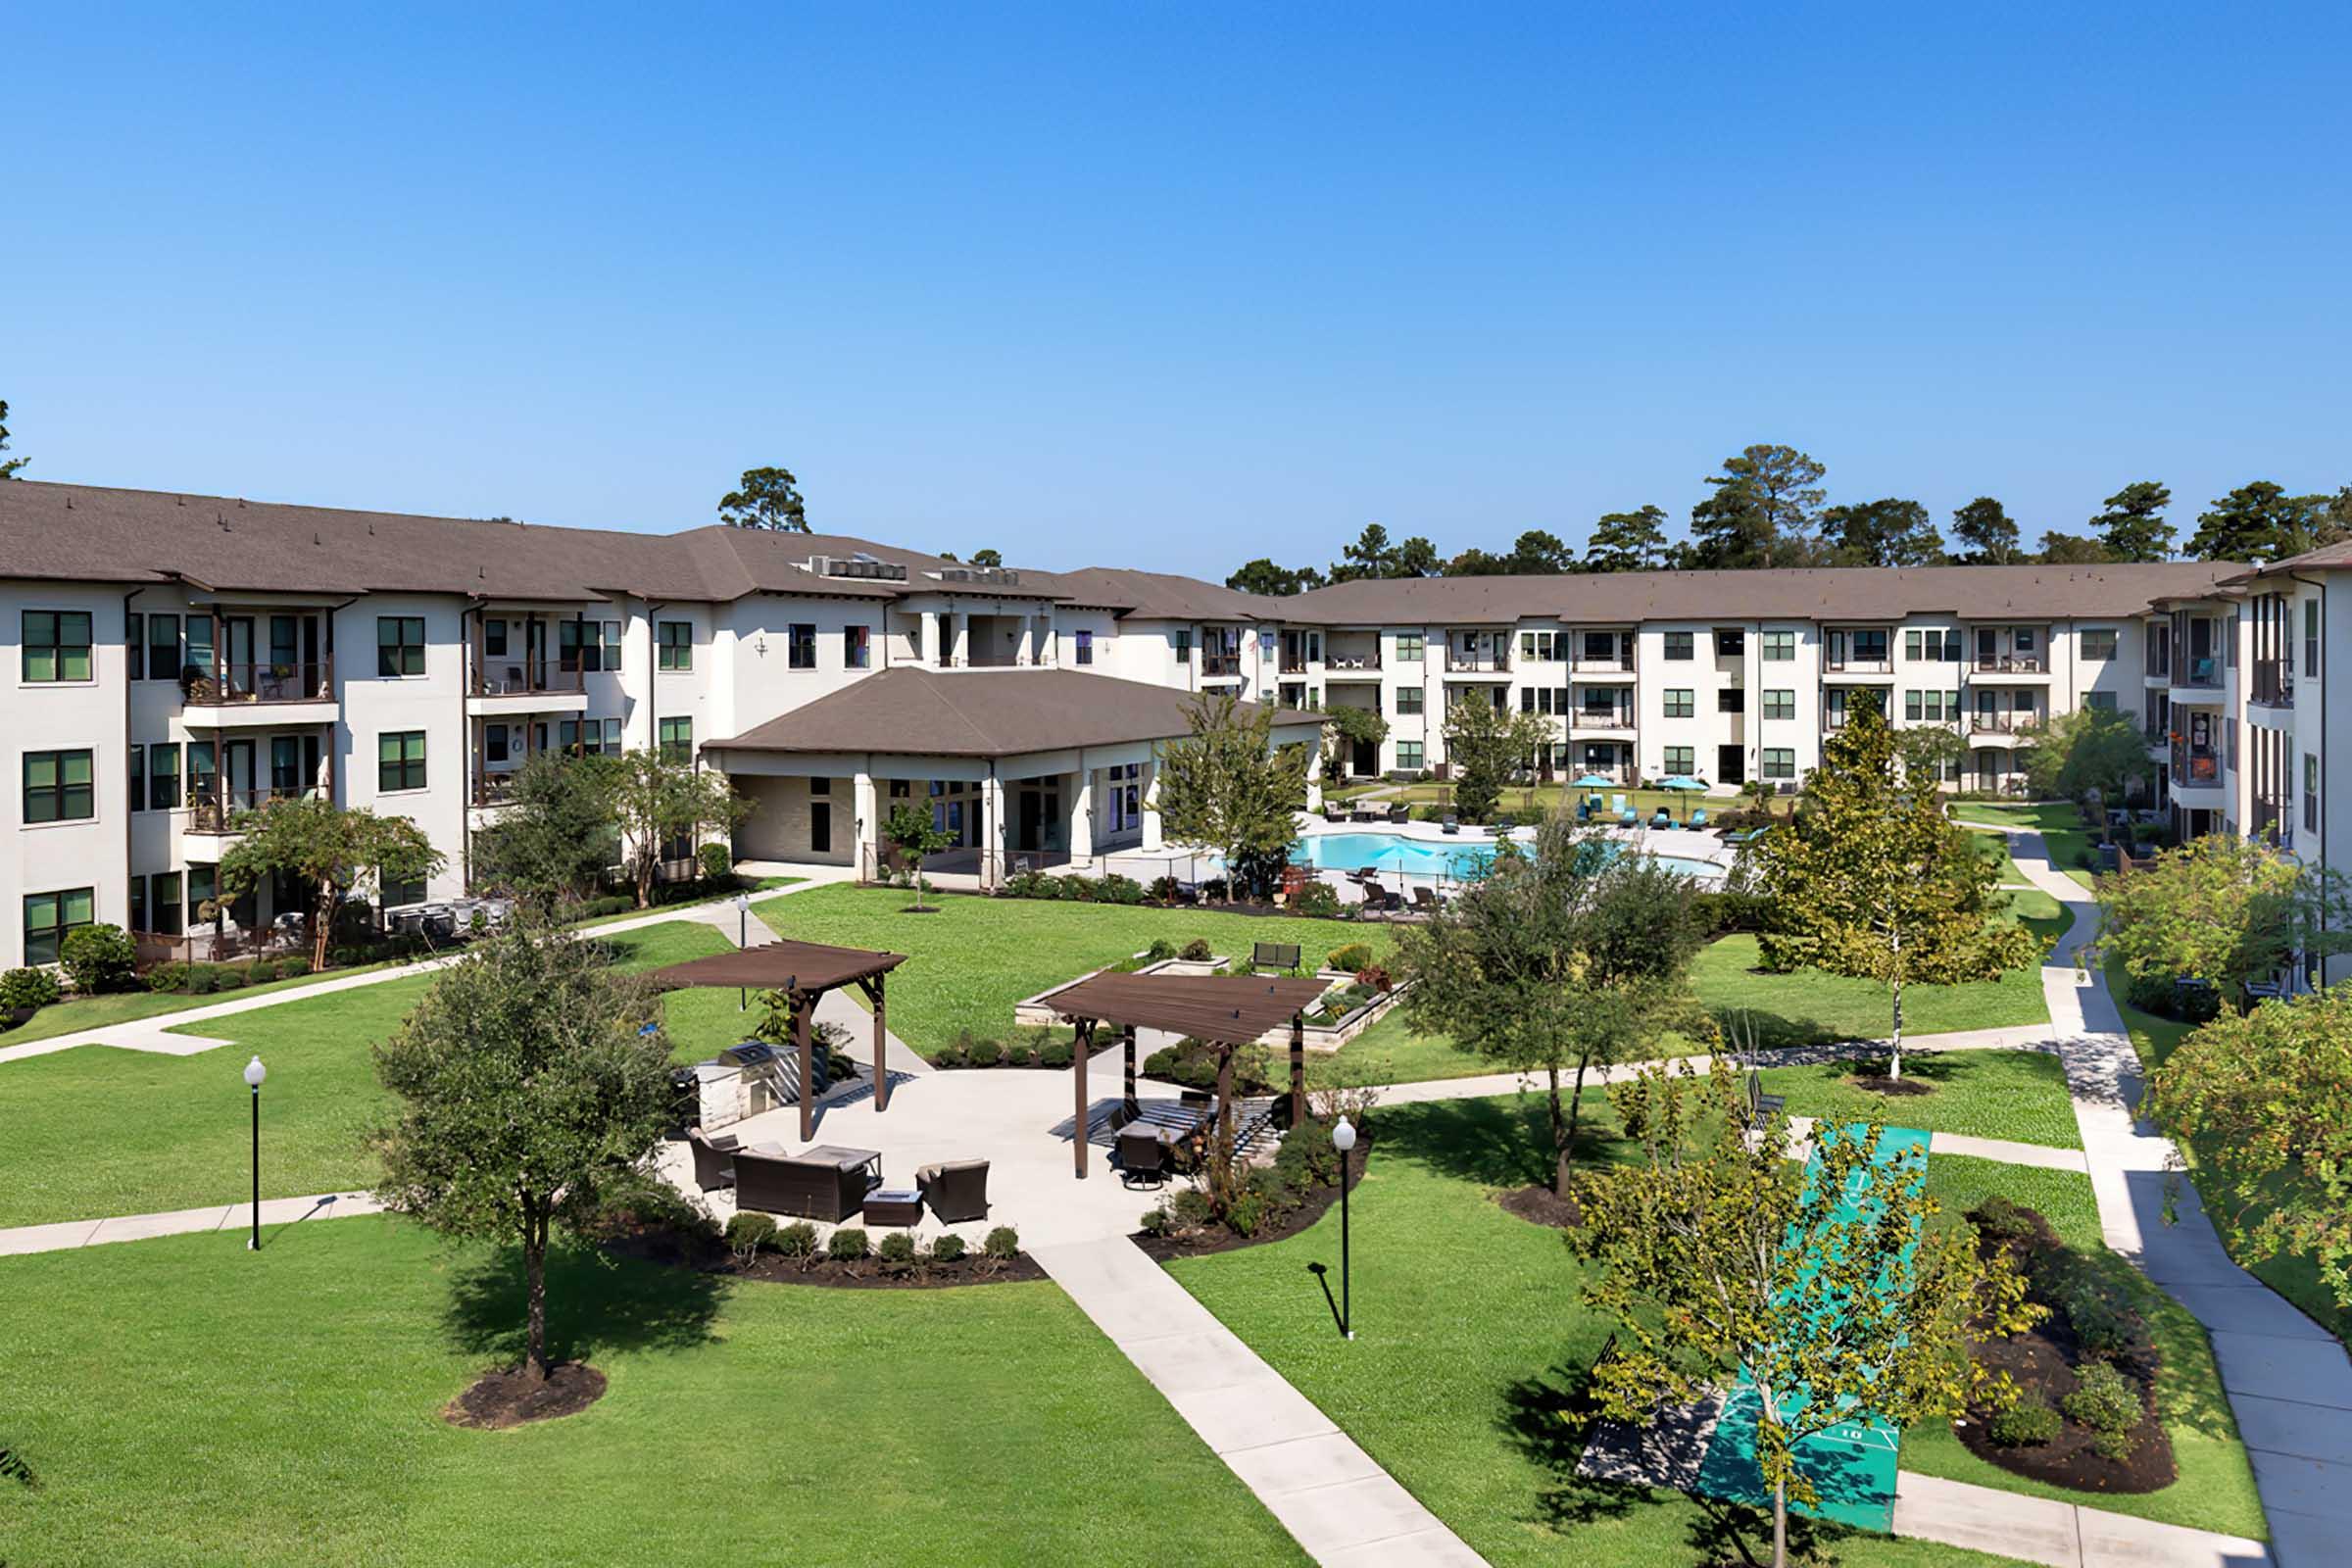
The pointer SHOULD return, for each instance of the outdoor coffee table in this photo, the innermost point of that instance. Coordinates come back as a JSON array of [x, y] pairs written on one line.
[[901, 1207], [845, 1159]]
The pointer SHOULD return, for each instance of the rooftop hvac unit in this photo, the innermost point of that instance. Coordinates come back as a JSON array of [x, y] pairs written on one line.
[[862, 567], [1004, 574]]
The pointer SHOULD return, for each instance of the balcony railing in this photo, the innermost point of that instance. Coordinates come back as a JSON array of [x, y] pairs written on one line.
[[2195, 765], [1860, 666], [522, 677], [1480, 662], [1338, 662], [2274, 683], [2011, 664], [225, 685], [212, 809], [1220, 664], [2203, 670], [1293, 665], [493, 789], [2004, 721], [1600, 718], [1622, 664]]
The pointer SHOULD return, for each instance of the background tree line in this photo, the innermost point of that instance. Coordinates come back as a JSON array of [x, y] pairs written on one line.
[[1766, 506]]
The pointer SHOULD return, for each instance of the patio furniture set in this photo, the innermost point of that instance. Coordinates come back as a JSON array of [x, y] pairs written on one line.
[[832, 1183], [1367, 811]]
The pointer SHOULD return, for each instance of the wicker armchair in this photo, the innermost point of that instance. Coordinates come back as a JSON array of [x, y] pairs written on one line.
[[956, 1189]]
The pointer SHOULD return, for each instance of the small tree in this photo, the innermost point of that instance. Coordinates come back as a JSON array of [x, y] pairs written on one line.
[[656, 798], [1560, 960], [2090, 750], [2266, 1099], [1350, 727], [767, 497], [1228, 785], [1873, 882], [1931, 752], [557, 836], [915, 835], [1488, 747], [331, 848], [2221, 909], [527, 1093], [1824, 1285]]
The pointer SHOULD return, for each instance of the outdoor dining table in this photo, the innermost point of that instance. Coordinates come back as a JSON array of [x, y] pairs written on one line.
[[844, 1158]]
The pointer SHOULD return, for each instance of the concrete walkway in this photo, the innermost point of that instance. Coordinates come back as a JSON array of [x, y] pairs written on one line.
[[2288, 1380], [275, 1211], [156, 1035], [1342, 1507]]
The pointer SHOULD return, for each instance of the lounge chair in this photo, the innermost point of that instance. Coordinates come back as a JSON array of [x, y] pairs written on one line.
[[1379, 899], [1334, 811], [1365, 814], [1426, 900], [1584, 810], [1661, 818], [1627, 818], [805, 1189], [1399, 811], [1451, 824], [1699, 818], [1143, 1154], [713, 1159], [1282, 955], [1619, 804], [956, 1189]]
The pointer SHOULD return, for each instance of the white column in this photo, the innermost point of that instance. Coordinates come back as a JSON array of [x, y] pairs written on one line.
[[992, 833], [935, 652], [1082, 812], [1152, 841], [1025, 653], [959, 625], [1314, 782], [866, 828], [1049, 651]]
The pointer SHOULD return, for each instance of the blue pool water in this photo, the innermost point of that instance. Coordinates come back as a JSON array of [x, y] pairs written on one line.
[[1393, 852]]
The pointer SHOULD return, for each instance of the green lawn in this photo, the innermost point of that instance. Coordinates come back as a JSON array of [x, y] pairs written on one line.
[[2215, 1490], [184, 1403], [2018, 1095], [95, 1130], [2295, 1277], [81, 1015], [2059, 826], [1471, 1347], [974, 957], [1807, 1007]]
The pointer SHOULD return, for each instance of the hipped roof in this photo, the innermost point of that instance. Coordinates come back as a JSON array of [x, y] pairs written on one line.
[[1228, 1010], [808, 966]]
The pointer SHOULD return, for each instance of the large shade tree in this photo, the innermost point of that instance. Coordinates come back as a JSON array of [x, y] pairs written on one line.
[[2090, 750], [1888, 533], [1991, 535], [1569, 955], [765, 498], [1765, 511], [1872, 881], [1227, 785], [2132, 526], [1627, 541], [557, 837], [2221, 909], [1822, 1285], [330, 849], [527, 1091]]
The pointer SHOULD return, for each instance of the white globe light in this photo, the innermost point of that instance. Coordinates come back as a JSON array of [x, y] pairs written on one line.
[[1342, 1136], [743, 902], [254, 1072]]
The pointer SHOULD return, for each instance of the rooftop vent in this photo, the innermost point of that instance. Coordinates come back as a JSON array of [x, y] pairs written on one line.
[[1003, 574], [859, 565]]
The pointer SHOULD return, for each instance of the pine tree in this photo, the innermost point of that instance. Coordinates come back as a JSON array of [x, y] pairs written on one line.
[[2133, 527], [1628, 541], [1986, 528]]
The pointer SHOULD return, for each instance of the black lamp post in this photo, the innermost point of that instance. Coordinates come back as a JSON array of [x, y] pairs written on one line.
[[743, 938], [254, 1072], [1343, 1139]]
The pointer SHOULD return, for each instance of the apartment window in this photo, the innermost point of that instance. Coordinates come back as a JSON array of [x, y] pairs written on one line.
[[1600, 647], [610, 631], [1542, 646], [1932, 644], [57, 645], [799, 647], [1184, 645], [570, 641], [2235, 618], [199, 653], [2310, 793], [162, 903], [494, 743], [856, 646], [138, 778], [2099, 701], [1680, 761], [59, 787], [1083, 646], [204, 886], [163, 777], [673, 647], [1776, 646], [400, 761], [134, 646], [1679, 646], [1778, 702], [1410, 699], [396, 895], [399, 645], [163, 648], [1730, 700], [1547, 700], [1730, 644], [2311, 637], [1678, 702], [1932, 707], [1778, 762], [2097, 641], [1409, 647], [1408, 756], [2022, 639], [494, 639], [48, 916], [677, 739], [138, 904]]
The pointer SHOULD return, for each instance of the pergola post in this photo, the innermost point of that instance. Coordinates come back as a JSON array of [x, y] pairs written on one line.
[[1128, 1103], [1085, 1044], [1298, 1069], [803, 1040], [881, 1047]]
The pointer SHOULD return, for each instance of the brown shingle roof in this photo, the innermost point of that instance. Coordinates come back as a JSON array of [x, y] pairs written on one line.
[[808, 965], [1229, 1009], [1164, 596], [981, 713]]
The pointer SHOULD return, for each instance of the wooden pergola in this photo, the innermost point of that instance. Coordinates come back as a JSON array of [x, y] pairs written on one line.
[[1226, 1011], [803, 971]]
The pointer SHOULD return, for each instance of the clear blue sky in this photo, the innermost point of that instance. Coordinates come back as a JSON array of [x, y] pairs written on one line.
[[1174, 285]]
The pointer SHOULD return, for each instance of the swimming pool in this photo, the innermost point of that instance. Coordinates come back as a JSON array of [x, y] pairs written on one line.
[[1410, 856]]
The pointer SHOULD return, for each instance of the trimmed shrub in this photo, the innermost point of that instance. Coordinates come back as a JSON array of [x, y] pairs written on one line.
[[172, 976], [1160, 950], [2028, 1425], [261, 971], [2002, 1219], [1056, 1053], [293, 968], [1355, 957], [1157, 1221], [1317, 900], [1721, 913], [748, 1233], [846, 1245], [1198, 951], [1191, 1206], [1161, 1064], [228, 977], [1004, 1244], [947, 1248], [27, 987], [99, 958], [796, 1240], [1117, 889], [2116, 1446], [2104, 1399], [203, 979], [2102, 1320], [898, 1248], [1374, 980], [715, 860], [1250, 1212], [954, 1053], [1081, 888], [984, 1052]]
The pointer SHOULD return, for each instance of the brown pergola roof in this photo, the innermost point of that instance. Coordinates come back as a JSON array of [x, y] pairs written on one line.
[[810, 966], [1229, 1009]]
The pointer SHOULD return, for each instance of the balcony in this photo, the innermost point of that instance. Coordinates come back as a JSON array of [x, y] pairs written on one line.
[[2010, 665], [1858, 666], [2274, 684], [518, 677], [1600, 718], [1497, 662], [1217, 667], [287, 693], [1619, 664], [2196, 766], [493, 789], [214, 811], [2004, 721], [2202, 673]]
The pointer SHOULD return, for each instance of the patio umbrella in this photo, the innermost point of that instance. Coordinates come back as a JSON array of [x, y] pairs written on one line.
[[1592, 781], [1681, 782]]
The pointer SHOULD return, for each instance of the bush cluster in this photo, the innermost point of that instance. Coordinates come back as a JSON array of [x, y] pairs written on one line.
[[27, 987], [1039, 1047], [1196, 950], [1721, 913], [796, 1240], [847, 1244], [2166, 998], [1193, 1063], [2031, 1423], [1111, 889], [748, 1232], [1317, 900], [1004, 1244], [948, 1248], [2104, 1399], [898, 1250], [98, 959], [205, 978], [1352, 958]]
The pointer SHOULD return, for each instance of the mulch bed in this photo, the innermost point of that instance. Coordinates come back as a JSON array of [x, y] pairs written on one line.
[[1210, 1240], [1539, 1204], [1879, 1083], [510, 1398], [2045, 1358], [675, 1250]]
